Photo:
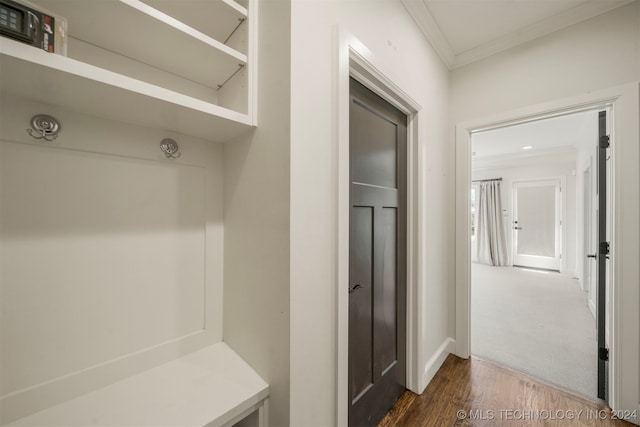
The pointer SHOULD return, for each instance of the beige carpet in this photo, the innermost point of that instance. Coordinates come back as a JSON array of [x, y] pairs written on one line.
[[535, 322]]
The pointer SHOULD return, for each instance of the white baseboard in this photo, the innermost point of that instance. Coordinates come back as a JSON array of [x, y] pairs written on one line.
[[438, 358]]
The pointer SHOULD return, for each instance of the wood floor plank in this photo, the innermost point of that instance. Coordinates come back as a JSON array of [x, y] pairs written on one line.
[[477, 393]]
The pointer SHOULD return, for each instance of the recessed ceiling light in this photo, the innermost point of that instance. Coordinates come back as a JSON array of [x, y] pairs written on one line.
[[528, 147]]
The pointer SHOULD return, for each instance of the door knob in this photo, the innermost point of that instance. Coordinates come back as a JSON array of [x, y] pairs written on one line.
[[592, 256], [517, 228]]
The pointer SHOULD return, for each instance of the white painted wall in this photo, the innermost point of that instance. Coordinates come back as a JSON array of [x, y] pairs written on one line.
[[110, 253], [408, 60], [546, 169], [599, 53], [256, 212]]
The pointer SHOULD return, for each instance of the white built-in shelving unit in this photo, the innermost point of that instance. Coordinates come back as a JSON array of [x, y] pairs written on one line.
[[185, 66]]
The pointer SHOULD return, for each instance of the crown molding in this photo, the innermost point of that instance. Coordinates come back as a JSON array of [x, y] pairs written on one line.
[[429, 27], [424, 20]]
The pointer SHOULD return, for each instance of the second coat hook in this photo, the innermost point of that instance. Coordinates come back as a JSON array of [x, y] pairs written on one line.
[[170, 148]]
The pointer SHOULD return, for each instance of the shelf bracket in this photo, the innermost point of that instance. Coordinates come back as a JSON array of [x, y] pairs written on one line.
[[240, 67], [240, 21]]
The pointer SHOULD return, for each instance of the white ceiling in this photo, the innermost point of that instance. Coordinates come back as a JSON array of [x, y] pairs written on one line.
[[558, 137], [464, 31]]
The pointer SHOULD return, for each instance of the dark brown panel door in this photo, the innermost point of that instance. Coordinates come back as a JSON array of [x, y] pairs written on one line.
[[377, 256]]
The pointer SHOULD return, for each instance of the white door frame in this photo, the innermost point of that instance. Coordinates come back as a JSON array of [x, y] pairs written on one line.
[[624, 274], [353, 59], [588, 234], [586, 227], [559, 221]]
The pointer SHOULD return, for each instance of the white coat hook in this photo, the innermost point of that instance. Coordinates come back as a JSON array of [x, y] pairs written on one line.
[[170, 148], [44, 127]]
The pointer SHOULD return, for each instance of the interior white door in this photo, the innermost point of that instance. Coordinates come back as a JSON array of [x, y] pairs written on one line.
[[537, 232]]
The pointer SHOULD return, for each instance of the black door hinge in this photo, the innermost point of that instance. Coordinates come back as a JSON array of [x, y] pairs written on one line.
[[604, 141], [604, 248], [603, 353]]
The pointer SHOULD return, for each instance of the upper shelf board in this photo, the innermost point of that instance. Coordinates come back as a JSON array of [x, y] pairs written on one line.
[[48, 78], [215, 18], [136, 30]]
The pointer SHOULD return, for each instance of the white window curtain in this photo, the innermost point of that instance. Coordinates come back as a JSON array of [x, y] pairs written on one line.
[[491, 240]]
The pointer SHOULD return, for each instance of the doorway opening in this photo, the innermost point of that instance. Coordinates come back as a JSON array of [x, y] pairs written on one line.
[[532, 305], [353, 61], [622, 274]]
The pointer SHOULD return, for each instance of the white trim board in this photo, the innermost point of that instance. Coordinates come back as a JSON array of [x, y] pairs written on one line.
[[592, 309], [353, 59], [624, 318]]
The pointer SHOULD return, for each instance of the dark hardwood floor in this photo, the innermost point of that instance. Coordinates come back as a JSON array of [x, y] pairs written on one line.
[[474, 392]]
